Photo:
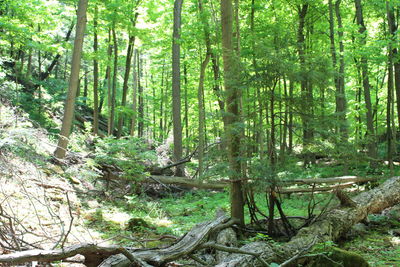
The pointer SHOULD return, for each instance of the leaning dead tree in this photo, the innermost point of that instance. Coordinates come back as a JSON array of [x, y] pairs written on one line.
[[329, 227]]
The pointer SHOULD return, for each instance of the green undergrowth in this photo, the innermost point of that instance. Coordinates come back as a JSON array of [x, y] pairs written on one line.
[[379, 246], [177, 213]]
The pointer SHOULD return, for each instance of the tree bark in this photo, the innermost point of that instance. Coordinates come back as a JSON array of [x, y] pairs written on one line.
[[95, 75], [341, 95], [73, 81], [232, 116], [330, 227], [140, 95], [305, 93], [134, 94], [109, 83], [114, 81], [371, 143], [176, 86], [128, 62], [390, 86]]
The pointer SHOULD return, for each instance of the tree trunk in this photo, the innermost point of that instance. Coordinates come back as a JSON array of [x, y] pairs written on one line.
[[371, 144], [109, 83], [306, 103], [341, 95], [331, 227], [73, 81], [134, 94], [162, 104], [140, 96], [176, 86], [128, 62], [95, 75], [85, 86], [186, 111], [390, 85], [232, 116], [114, 81], [201, 107]]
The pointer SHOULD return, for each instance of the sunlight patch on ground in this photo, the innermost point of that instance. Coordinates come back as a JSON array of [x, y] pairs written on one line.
[[117, 217], [162, 222]]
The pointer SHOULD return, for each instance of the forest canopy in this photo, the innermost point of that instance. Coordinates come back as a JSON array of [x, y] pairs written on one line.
[[252, 96]]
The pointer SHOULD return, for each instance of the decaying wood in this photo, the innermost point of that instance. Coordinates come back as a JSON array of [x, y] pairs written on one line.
[[95, 254], [184, 247], [343, 182], [333, 180], [314, 189], [185, 182], [329, 227]]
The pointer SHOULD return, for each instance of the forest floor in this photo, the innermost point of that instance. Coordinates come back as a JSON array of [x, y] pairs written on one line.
[[53, 205]]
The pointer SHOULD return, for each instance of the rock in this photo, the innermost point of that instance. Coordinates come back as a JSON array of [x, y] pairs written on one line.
[[226, 237], [246, 260], [358, 229]]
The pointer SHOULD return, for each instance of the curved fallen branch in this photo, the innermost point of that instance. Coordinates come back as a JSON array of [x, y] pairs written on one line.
[[342, 182], [330, 227], [93, 254]]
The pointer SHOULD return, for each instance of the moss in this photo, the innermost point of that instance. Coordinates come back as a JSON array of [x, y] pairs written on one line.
[[338, 257]]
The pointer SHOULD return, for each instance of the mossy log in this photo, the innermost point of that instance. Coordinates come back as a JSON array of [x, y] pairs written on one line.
[[341, 182], [330, 227]]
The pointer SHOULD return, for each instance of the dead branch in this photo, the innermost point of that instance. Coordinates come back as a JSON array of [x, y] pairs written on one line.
[[87, 250], [329, 227]]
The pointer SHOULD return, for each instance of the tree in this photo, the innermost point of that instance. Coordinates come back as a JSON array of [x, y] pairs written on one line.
[[176, 86], [371, 145], [95, 75], [73, 81], [338, 75], [129, 54], [233, 121]]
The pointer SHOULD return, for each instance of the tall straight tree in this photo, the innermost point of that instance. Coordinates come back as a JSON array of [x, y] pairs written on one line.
[[232, 119], [338, 70], [176, 86], [128, 62], [73, 81], [306, 90], [114, 81], [371, 145], [393, 26], [95, 75], [341, 97], [390, 85], [200, 91], [134, 93]]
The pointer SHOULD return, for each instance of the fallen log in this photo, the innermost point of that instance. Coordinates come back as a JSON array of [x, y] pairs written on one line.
[[185, 182], [329, 227], [344, 182], [314, 189], [333, 180], [95, 254]]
